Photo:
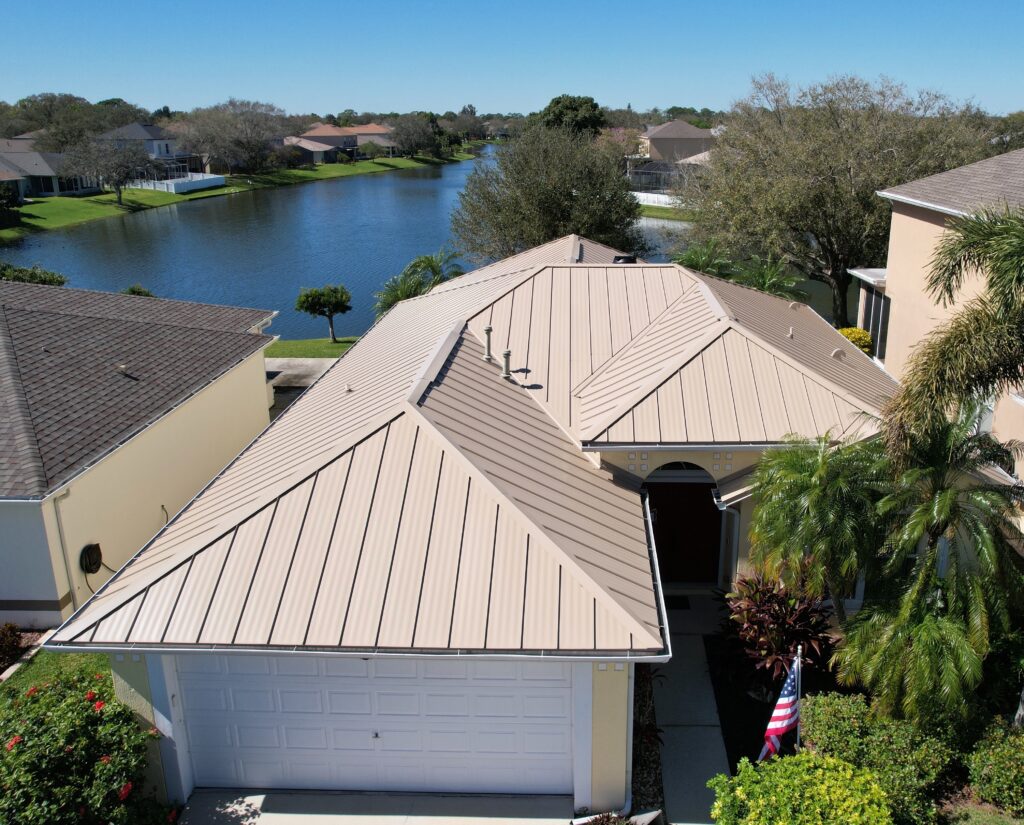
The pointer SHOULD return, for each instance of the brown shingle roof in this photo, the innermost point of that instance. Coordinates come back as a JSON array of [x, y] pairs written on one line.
[[81, 372], [994, 182], [677, 129]]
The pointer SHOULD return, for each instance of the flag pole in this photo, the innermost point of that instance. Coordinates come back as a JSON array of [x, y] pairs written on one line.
[[799, 686]]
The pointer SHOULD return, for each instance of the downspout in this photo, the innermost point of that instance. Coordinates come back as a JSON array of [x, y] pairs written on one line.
[[628, 804], [57, 499]]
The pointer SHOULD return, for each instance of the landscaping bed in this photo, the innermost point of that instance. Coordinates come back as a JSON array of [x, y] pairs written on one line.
[[648, 790], [14, 643]]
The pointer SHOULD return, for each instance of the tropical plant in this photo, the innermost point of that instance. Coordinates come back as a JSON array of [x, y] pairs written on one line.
[[326, 302], [770, 275], [137, 289], [71, 753], [907, 763], [769, 621], [420, 276], [860, 338], [920, 651], [705, 257], [795, 173], [979, 352], [815, 524], [997, 768], [805, 789]]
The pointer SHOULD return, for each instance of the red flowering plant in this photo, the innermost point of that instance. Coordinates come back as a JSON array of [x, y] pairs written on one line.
[[73, 754]]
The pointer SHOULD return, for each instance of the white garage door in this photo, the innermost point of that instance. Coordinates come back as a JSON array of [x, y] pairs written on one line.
[[379, 724]]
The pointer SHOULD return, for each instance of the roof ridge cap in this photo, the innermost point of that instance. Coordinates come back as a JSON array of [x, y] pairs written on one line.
[[21, 412], [633, 624]]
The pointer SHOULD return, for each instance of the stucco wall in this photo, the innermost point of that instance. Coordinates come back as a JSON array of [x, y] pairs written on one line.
[[125, 498], [610, 740], [30, 592]]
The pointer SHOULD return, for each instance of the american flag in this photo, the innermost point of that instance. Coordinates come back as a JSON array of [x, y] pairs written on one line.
[[786, 715]]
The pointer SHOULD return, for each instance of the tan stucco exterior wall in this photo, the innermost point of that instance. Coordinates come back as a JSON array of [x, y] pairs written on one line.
[[120, 502], [131, 686], [913, 236], [610, 745]]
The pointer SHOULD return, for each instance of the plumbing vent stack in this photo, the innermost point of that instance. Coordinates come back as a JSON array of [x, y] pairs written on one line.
[[790, 333], [487, 343], [506, 365], [837, 353]]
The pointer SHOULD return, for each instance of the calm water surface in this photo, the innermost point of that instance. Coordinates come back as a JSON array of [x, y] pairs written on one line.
[[259, 248]]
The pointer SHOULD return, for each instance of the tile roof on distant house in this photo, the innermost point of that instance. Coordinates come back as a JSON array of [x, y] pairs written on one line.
[[310, 145], [995, 182], [677, 129], [413, 500], [138, 131], [82, 371]]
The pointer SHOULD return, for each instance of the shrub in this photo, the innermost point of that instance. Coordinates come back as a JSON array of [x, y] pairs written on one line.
[[769, 622], [806, 789], [907, 764], [137, 289], [10, 645], [30, 275], [860, 338], [71, 753], [997, 768]]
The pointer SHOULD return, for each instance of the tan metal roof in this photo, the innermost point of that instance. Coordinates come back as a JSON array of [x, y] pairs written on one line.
[[412, 500]]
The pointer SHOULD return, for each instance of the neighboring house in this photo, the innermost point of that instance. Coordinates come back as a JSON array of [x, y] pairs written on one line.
[[895, 306], [350, 138], [175, 170], [313, 151], [430, 576], [40, 171], [11, 176], [115, 410], [675, 140]]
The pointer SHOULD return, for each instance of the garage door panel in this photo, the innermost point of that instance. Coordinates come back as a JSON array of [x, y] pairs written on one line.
[[403, 725]]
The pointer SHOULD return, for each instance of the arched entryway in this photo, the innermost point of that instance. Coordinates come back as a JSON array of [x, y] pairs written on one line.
[[688, 526]]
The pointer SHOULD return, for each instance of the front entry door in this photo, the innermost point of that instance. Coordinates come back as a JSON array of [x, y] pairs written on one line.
[[687, 531]]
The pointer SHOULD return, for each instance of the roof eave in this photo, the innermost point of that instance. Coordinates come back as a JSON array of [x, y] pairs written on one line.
[[934, 207]]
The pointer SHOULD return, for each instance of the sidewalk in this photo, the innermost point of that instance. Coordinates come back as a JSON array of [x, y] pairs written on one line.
[[684, 703]]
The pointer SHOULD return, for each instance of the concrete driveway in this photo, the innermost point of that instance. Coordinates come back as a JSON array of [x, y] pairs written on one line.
[[226, 807]]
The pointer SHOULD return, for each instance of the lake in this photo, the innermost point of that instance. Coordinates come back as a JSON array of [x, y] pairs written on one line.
[[259, 248]]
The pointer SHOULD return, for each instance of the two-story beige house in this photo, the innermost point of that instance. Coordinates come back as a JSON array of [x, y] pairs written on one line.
[[895, 306]]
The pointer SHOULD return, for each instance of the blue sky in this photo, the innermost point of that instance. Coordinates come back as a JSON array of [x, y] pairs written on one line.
[[307, 55]]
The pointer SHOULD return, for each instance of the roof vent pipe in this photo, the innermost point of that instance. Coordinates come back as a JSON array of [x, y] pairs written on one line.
[[790, 333], [506, 365], [837, 353], [487, 343]]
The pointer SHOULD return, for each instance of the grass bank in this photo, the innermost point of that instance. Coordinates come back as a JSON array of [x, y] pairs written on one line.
[[667, 213], [61, 212], [309, 348], [52, 667]]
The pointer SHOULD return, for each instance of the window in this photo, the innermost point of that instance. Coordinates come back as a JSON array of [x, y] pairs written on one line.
[[875, 316], [45, 185]]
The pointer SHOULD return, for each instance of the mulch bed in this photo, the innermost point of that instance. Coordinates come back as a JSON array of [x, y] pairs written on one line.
[[28, 639], [744, 718], [648, 792]]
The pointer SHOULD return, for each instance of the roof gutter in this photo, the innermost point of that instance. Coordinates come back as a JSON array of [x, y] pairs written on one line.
[[934, 207], [659, 447]]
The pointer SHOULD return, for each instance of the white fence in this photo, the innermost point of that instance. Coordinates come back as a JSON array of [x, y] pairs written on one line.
[[177, 186], [654, 199]]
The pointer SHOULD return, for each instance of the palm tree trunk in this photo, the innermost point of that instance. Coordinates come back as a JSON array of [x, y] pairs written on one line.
[[1018, 717], [837, 603]]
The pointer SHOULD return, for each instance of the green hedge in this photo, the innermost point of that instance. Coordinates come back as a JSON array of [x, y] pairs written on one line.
[[806, 789], [907, 764], [997, 768]]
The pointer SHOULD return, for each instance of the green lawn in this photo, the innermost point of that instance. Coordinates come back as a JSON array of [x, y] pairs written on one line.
[[48, 667], [668, 213], [969, 814], [60, 212], [309, 348]]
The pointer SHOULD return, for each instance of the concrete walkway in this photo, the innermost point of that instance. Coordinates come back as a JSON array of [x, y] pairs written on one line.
[[684, 703], [297, 372], [226, 807]]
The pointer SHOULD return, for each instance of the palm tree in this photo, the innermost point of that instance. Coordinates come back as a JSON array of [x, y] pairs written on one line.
[[921, 651], [770, 275], [706, 258], [979, 353], [815, 525], [420, 276]]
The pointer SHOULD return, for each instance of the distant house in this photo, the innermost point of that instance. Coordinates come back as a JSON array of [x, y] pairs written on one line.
[[313, 151], [12, 178], [39, 173], [115, 411], [177, 171], [675, 140], [350, 138]]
